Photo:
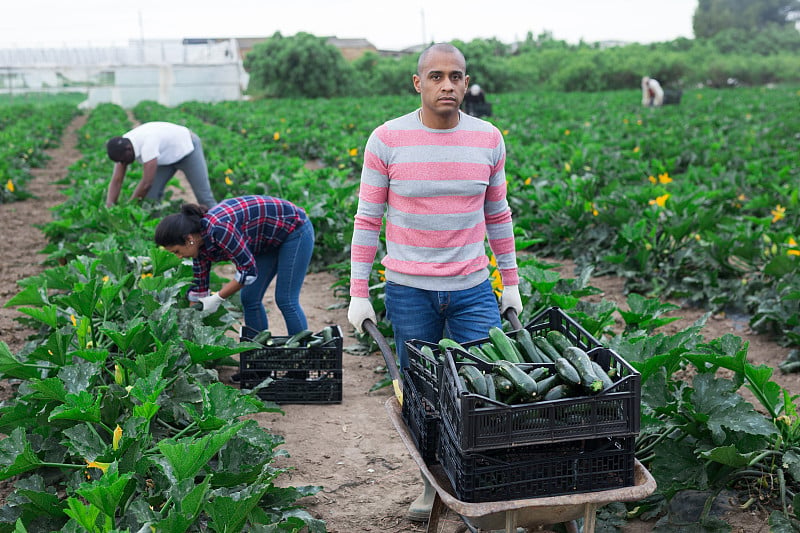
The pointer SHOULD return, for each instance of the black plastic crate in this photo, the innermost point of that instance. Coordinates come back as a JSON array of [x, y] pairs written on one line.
[[421, 419], [427, 372], [538, 471], [303, 374], [479, 423]]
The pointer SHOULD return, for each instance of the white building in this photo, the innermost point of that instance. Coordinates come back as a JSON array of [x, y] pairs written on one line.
[[168, 72]]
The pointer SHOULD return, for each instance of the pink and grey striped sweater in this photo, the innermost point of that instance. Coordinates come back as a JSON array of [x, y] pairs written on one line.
[[442, 193]]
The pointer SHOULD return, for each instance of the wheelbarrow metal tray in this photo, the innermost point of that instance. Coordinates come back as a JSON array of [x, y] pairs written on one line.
[[540, 470], [479, 423], [306, 374]]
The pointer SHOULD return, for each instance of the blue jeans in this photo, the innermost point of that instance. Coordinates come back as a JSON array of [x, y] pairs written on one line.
[[195, 169], [431, 315], [289, 262]]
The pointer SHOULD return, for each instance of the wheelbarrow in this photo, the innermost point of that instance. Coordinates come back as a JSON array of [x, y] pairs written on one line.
[[505, 515]]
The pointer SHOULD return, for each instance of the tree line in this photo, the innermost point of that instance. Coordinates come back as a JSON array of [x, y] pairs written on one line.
[[741, 42]]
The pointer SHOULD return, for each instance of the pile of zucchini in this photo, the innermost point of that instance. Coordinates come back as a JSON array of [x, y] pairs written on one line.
[[529, 368], [301, 339]]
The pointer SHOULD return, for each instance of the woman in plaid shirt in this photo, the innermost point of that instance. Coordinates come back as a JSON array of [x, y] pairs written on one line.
[[262, 236]]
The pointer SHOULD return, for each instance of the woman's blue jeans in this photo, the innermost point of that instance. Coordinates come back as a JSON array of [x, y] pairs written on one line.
[[289, 262], [431, 315]]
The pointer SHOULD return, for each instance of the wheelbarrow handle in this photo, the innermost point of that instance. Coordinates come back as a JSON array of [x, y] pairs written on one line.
[[511, 315], [383, 345]]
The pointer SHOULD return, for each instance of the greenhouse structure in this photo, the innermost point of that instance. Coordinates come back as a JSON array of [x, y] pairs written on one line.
[[166, 71]]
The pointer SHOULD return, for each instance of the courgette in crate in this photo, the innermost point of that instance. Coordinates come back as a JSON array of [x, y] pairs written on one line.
[[503, 344], [529, 350], [540, 372], [602, 375], [567, 372], [489, 349], [545, 384], [327, 334], [583, 364], [491, 392], [446, 343], [558, 340], [477, 352], [521, 381], [298, 338], [502, 384], [546, 348], [474, 379], [263, 337], [427, 351], [557, 392]]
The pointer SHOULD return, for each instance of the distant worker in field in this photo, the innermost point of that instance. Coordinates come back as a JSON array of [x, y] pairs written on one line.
[[652, 93], [163, 148], [475, 101]]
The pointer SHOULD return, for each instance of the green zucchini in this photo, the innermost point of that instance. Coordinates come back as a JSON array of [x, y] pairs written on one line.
[[489, 349], [446, 343], [521, 381], [557, 392], [299, 338], [502, 385], [583, 364], [327, 334], [548, 383], [491, 392], [602, 375], [427, 351], [477, 352], [503, 344], [546, 348], [567, 372], [474, 379], [558, 340], [529, 350], [262, 337], [540, 372]]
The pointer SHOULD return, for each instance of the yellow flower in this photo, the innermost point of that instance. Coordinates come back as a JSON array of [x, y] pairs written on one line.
[[639, 122], [595, 212], [353, 152], [276, 136], [97, 464], [664, 178], [793, 245], [505, 132], [382, 275], [105, 279], [742, 197], [651, 179], [778, 213], [660, 201], [228, 181], [244, 131], [566, 132], [117, 437], [147, 275], [74, 321], [625, 121], [10, 186], [228, 171], [567, 167], [527, 181], [635, 149]]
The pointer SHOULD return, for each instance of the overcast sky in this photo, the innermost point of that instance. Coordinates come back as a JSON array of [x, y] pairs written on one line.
[[390, 25]]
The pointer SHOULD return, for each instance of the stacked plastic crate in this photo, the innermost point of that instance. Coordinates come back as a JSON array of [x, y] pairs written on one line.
[[493, 451]]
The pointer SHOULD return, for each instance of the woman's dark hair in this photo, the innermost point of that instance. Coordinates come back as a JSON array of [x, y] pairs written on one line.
[[173, 229]]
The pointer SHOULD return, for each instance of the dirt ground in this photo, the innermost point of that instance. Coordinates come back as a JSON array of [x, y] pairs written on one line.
[[351, 449]]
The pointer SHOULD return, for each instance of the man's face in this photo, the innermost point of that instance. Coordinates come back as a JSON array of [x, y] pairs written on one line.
[[128, 155], [442, 83]]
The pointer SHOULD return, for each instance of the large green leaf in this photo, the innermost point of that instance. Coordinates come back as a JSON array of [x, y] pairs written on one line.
[[83, 406], [186, 457], [107, 492], [221, 404], [17, 455], [11, 367]]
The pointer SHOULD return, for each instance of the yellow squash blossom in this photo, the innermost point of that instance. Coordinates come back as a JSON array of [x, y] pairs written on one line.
[[10, 186], [778, 213], [660, 201], [353, 152], [74, 321], [635, 149], [664, 178], [527, 181], [651, 179], [117, 437], [567, 167], [793, 247], [276, 136], [228, 181], [97, 464], [566, 132]]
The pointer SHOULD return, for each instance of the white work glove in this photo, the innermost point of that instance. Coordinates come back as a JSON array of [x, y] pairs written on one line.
[[360, 309], [211, 303], [510, 299]]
